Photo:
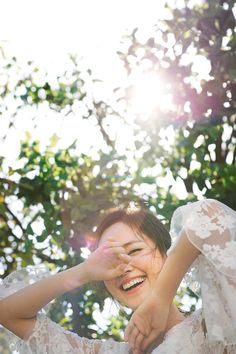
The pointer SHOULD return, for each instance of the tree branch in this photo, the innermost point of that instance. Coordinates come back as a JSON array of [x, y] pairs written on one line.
[[17, 221]]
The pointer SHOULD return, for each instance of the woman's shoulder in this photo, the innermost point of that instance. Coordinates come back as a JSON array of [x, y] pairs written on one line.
[[204, 220], [49, 334]]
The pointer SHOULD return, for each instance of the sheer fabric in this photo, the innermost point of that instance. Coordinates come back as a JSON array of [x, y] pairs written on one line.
[[211, 227], [21, 278], [50, 338]]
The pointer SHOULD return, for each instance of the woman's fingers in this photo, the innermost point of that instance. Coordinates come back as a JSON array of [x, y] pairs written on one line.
[[114, 258], [124, 257], [135, 338], [131, 327], [119, 270], [113, 250], [128, 331], [133, 335], [114, 243], [138, 342], [116, 249]]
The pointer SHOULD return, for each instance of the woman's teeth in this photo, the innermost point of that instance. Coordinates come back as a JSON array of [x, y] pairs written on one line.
[[132, 283]]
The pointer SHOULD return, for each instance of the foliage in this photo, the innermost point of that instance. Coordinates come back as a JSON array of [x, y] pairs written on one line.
[[201, 154], [52, 199]]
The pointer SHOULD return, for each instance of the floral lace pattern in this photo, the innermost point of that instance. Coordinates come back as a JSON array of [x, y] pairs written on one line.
[[211, 227], [52, 339], [21, 278], [191, 330], [49, 338]]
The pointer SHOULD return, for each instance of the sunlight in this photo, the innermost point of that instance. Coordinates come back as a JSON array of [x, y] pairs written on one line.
[[146, 93]]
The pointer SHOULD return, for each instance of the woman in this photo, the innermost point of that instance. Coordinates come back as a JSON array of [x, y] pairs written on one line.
[[131, 261]]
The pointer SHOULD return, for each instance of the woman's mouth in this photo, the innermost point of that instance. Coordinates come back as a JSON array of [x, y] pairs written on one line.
[[133, 285]]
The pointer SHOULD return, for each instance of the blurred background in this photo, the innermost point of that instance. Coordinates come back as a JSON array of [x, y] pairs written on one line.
[[103, 104]]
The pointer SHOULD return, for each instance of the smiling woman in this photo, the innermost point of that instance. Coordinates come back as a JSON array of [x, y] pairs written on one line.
[[131, 260], [130, 228], [146, 241]]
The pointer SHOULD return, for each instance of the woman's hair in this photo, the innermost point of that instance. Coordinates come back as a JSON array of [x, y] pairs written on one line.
[[142, 222]]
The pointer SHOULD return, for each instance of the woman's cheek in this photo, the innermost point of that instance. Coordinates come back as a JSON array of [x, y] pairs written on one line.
[[141, 260], [157, 265]]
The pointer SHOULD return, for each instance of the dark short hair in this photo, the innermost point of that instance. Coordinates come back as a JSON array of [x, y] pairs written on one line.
[[141, 221]]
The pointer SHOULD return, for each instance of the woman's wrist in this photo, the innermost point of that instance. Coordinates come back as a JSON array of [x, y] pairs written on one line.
[[75, 277], [162, 296]]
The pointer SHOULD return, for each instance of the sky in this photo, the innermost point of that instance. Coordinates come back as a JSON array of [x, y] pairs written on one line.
[[47, 30]]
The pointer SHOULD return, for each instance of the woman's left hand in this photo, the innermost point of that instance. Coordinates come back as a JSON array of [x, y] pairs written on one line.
[[147, 324]]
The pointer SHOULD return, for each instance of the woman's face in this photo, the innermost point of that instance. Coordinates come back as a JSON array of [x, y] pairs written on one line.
[[134, 285]]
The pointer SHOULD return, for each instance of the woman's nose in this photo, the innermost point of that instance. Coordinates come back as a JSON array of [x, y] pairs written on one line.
[[129, 267]]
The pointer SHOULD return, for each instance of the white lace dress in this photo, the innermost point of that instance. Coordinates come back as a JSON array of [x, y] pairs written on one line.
[[211, 227]]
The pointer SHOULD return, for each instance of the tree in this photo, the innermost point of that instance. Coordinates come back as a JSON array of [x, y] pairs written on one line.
[[198, 148], [49, 204]]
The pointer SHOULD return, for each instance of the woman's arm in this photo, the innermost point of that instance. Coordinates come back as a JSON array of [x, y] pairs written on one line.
[[175, 267], [18, 311]]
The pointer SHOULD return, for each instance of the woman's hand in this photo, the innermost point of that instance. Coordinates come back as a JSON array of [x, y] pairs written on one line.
[[147, 325], [107, 262]]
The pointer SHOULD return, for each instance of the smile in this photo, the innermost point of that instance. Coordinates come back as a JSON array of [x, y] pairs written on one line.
[[132, 284]]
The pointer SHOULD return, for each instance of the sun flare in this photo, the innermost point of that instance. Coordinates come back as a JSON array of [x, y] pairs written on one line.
[[146, 93]]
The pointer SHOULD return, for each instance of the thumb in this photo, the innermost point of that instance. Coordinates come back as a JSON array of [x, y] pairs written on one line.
[[124, 257]]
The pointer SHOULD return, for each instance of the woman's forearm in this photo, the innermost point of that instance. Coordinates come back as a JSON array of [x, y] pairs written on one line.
[[28, 301], [18, 311], [174, 269]]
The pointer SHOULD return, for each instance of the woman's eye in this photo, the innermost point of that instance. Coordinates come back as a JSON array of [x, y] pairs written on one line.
[[135, 250]]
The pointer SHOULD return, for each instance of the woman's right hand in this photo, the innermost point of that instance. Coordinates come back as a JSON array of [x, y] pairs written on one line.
[[107, 262]]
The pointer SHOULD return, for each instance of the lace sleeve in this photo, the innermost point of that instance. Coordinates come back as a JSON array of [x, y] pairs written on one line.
[[15, 281], [21, 278], [211, 227], [48, 337]]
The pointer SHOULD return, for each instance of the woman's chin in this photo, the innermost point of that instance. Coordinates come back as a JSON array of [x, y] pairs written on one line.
[[136, 302]]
